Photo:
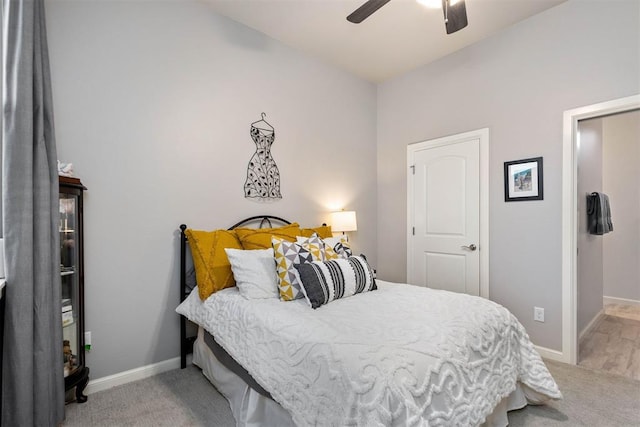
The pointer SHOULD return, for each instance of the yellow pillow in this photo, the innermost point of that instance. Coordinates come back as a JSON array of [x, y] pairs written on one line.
[[260, 238], [323, 231], [213, 270]]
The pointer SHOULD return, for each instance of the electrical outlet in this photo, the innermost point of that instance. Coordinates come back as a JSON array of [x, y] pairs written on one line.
[[538, 314]]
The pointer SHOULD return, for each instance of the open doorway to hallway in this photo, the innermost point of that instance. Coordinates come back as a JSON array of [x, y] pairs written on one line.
[[608, 265]]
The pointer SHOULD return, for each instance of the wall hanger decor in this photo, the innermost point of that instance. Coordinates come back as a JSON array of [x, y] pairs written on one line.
[[263, 177], [523, 180]]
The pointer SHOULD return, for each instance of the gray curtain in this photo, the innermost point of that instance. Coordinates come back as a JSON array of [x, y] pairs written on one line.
[[32, 377]]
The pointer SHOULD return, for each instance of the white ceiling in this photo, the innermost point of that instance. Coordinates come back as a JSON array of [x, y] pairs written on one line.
[[399, 37]]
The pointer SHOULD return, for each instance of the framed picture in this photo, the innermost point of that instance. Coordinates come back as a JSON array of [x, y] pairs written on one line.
[[523, 180]]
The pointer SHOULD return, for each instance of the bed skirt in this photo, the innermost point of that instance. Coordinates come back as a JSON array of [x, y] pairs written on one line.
[[252, 409]]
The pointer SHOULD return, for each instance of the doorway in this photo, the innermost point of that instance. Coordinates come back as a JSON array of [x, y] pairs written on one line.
[[570, 218], [608, 272], [448, 213]]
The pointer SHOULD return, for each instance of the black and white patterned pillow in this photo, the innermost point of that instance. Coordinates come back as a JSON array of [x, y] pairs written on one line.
[[326, 281], [337, 247]]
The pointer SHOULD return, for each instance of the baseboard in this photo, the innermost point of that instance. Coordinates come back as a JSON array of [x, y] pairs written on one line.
[[147, 371], [590, 325], [548, 353], [125, 377], [622, 301]]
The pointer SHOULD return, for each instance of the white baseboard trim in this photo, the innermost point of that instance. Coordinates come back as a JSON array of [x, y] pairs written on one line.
[[125, 377], [147, 371], [622, 301], [548, 353], [590, 325]]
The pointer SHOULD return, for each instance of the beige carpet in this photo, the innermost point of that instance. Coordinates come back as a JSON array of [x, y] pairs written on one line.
[[186, 398], [612, 345], [175, 398], [591, 398]]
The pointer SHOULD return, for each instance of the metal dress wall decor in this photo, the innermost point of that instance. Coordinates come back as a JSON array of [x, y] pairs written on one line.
[[263, 177]]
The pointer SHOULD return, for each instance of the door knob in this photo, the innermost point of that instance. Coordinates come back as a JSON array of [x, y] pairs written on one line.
[[471, 247]]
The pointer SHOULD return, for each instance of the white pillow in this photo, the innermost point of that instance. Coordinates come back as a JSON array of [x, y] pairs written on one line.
[[191, 306], [255, 272]]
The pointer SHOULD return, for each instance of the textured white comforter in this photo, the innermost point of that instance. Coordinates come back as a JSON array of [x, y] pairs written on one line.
[[402, 355]]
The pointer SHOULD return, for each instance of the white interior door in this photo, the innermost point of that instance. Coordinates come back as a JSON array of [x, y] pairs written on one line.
[[445, 205]]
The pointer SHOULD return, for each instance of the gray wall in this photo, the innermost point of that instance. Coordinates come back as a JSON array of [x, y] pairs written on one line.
[[153, 102], [517, 83], [590, 257], [621, 182]]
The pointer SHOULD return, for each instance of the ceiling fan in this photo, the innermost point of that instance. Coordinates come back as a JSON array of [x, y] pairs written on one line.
[[455, 13]]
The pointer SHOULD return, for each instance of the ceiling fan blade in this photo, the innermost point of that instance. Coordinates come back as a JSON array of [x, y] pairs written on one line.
[[455, 16], [364, 11]]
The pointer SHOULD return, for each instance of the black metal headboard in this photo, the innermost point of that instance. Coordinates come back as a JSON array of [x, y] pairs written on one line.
[[264, 220], [186, 343]]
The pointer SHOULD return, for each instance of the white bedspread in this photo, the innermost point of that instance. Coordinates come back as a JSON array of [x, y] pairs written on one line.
[[402, 355]]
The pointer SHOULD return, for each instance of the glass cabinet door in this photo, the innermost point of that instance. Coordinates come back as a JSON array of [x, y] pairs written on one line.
[[76, 372], [69, 273]]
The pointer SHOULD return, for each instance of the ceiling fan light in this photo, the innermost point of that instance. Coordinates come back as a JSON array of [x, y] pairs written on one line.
[[431, 4]]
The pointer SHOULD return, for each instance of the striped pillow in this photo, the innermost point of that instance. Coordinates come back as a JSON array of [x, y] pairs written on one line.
[[326, 281]]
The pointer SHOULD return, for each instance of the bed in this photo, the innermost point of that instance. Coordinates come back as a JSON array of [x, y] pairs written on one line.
[[400, 355]]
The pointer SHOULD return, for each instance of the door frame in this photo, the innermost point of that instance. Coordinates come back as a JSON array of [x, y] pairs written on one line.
[[483, 244], [570, 214]]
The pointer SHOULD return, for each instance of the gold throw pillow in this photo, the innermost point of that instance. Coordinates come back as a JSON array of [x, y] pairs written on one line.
[[213, 270], [260, 238]]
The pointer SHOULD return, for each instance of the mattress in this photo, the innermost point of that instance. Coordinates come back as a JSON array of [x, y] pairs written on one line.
[[402, 355]]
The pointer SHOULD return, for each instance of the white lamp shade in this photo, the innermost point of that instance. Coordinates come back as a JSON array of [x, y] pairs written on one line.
[[344, 221]]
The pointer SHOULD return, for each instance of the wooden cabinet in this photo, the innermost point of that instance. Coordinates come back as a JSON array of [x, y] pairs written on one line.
[[76, 373]]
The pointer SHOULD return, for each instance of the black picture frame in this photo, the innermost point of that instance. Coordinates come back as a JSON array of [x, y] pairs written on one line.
[[523, 180]]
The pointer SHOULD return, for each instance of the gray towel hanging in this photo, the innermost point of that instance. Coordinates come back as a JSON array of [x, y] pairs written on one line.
[[599, 214]]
